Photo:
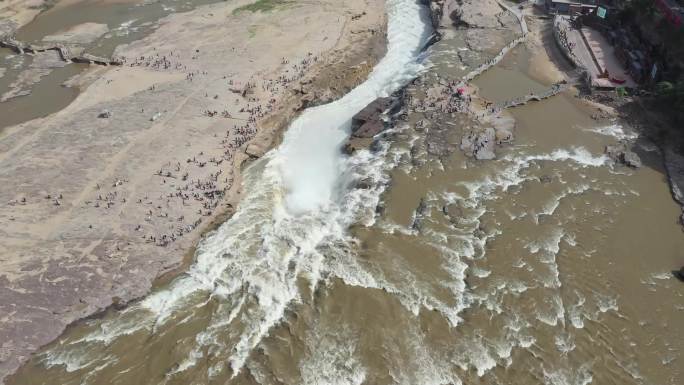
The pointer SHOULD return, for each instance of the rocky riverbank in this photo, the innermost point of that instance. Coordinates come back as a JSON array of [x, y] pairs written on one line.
[[479, 22], [637, 113], [116, 190], [486, 27]]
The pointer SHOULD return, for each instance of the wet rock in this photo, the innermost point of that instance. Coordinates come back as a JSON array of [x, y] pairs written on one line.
[[468, 143], [375, 146], [504, 135], [631, 159], [480, 145], [369, 129], [436, 13], [614, 152], [304, 103], [453, 212], [368, 123], [414, 152], [504, 125], [419, 214], [380, 208], [173, 368], [679, 274], [118, 303], [601, 115], [372, 112], [313, 97], [364, 184], [422, 207], [354, 144], [486, 152], [674, 164], [620, 154], [348, 148]]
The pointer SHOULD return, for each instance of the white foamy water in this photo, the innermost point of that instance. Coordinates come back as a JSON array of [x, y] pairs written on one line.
[[124, 28], [333, 359], [616, 131]]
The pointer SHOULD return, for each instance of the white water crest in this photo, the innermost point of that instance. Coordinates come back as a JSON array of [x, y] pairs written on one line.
[[294, 216]]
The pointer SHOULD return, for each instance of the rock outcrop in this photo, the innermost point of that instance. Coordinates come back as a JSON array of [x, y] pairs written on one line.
[[364, 121], [453, 212], [371, 121], [480, 145], [467, 13], [369, 129], [256, 149], [621, 155], [679, 274], [419, 215], [503, 124]]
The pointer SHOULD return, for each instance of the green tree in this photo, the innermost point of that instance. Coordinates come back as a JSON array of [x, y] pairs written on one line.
[[670, 97]]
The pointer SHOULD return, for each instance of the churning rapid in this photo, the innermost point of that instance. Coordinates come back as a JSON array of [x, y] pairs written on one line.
[[411, 263]]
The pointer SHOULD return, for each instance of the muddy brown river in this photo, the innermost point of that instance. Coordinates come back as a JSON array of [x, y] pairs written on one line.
[[548, 265]]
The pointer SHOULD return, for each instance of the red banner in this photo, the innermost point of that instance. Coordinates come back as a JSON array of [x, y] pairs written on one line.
[[672, 16]]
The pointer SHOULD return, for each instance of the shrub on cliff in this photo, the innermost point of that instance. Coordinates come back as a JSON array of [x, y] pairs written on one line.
[[671, 96]]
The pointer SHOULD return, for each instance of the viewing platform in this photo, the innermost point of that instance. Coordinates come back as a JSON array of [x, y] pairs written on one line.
[[592, 52]]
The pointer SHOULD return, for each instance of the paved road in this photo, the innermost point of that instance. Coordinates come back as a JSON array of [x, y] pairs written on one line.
[[581, 50]]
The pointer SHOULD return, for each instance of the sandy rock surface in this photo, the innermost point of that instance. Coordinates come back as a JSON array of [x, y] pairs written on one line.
[[480, 144]]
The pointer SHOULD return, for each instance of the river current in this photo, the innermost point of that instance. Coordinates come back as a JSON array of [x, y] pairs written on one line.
[[549, 265]]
